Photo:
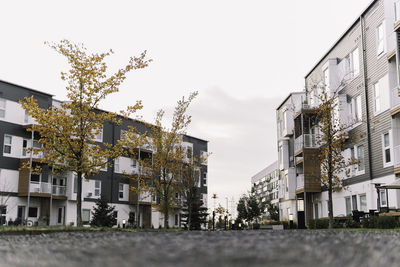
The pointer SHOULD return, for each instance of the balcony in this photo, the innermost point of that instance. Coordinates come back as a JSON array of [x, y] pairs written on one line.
[[299, 181], [310, 141], [59, 190], [394, 101], [40, 187]]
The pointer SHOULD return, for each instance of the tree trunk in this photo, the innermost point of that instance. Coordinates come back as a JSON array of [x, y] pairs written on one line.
[[79, 201], [166, 226], [330, 206]]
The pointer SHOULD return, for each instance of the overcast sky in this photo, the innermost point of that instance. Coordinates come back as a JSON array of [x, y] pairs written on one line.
[[244, 57]]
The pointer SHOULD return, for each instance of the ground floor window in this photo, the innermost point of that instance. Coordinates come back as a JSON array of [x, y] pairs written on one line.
[[348, 206], [33, 212], [382, 196], [3, 212], [85, 216], [316, 215], [363, 202], [176, 219]]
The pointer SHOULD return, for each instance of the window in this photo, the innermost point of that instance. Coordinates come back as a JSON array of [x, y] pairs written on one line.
[[354, 202], [189, 152], [360, 157], [75, 183], [24, 147], [26, 117], [33, 212], [36, 144], [3, 212], [116, 165], [97, 188], [284, 121], [354, 63], [99, 136], [121, 191], [382, 197], [377, 98], [204, 179], [133, 163], [356, 108], [2, 108], [381, 95], [316, 215], [397, 11], [387, 157], [7, 144], [85, 216], [176, 219], [348, 206], [363, 202], [326, 78], [380, 38]]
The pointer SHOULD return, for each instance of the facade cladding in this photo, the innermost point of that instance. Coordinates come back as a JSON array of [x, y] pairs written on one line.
[[362, 70], [109, 182]]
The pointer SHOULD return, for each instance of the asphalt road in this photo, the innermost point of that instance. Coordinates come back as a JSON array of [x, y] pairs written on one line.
[[232, 248]]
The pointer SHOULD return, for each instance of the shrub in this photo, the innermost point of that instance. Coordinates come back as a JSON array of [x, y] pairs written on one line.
[[381, 222], [318, 224], [351, 224]]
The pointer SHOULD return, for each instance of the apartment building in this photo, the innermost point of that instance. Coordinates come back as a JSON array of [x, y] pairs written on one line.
[[362, 71], [266, 184], [52, 200]]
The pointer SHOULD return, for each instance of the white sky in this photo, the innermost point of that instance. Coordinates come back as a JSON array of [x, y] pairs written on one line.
[[243, 57]]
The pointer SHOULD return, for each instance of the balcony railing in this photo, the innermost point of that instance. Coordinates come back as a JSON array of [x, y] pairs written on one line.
[[59, 190], [396, 151], [40, 187], [310, 141], [300, 181]]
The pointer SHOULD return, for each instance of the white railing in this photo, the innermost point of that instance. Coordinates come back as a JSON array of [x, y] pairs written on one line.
[[39, 187], [396, 151], [299, 181], [59, 190], [310, 141]]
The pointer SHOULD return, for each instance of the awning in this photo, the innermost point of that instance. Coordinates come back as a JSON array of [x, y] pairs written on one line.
[[394, 185]]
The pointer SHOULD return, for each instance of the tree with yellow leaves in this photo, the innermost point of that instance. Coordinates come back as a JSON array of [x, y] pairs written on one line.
[[332, 138], [163, 168], [68, 132]]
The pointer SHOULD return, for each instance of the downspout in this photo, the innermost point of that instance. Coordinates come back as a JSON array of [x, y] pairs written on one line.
[[364, 59]]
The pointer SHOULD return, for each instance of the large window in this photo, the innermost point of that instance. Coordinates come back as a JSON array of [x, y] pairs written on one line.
[[356, 108], [380, 39], [7, 144], [348, 206], [354, 202], [85, 216], [382, 196], [75, 183], [204, 179], [386, 150], [381, 95], [363, 202], [97, 188], [355, 63], [360, 158], [2, 108]]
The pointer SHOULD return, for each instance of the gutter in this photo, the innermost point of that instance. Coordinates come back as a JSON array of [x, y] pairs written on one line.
[[364, 59]]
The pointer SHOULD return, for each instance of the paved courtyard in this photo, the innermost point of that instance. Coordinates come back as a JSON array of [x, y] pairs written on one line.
[[233, 248]]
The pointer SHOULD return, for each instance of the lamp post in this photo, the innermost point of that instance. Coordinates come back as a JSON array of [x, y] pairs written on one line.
[[291, 221], [123, 223]]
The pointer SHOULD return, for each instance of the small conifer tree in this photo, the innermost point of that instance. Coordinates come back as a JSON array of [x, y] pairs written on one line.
[[103, 214]]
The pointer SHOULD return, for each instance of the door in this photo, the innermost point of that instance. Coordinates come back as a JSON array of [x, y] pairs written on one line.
[[60, 215]]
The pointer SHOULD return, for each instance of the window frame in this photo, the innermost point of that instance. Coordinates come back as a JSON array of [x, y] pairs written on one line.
[[378, 40], [97, 188], [3, 107], [7, 144], [385, 148], [397, 11], [358, 171], [120, 191]]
